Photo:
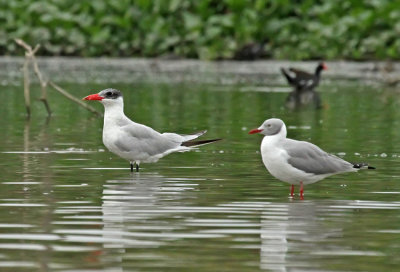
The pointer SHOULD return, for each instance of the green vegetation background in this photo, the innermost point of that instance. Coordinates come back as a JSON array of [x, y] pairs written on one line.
[[205, 29]]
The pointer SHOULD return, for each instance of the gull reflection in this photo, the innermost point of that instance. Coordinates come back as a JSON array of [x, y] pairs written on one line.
[[289, 231]]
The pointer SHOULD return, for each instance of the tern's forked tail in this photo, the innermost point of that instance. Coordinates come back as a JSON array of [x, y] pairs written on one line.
[[362, 165], [198, 143]]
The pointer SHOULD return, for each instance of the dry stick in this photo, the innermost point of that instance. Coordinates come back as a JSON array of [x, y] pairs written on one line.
[[73, 98], [25, 70], [43, 84], [30, 54]]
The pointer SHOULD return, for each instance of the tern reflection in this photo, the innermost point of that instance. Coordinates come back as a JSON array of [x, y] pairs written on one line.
[[132, 206]]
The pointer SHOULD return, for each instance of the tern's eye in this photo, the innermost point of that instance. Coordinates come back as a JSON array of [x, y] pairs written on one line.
[[269, 125], [108, 93]]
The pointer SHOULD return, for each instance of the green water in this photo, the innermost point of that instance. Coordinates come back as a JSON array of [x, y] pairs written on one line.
[[67, 204]]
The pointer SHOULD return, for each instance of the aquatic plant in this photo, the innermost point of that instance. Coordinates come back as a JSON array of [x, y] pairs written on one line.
[[205, 29]]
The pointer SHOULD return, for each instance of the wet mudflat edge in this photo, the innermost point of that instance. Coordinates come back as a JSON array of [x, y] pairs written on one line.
[[133, 70]]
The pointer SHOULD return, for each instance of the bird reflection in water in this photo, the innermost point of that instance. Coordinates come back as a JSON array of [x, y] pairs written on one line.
[[136, 209], [298, 99], [290, 234]]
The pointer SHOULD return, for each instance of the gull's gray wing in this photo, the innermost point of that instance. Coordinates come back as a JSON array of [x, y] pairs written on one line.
[[310, 158]]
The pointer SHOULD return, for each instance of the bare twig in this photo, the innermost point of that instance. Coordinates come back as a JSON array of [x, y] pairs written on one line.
[[25, 70], [43, 85], [73, 98], [23, 44], [30, 57]]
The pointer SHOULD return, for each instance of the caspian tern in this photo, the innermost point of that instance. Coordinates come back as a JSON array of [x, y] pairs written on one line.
[[135, 142], [298, 162]]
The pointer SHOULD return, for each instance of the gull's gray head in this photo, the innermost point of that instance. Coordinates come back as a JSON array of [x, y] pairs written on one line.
[[271, 127]]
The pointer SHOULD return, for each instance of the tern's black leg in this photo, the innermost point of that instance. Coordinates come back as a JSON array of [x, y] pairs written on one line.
[[137, 167], [131, 167]]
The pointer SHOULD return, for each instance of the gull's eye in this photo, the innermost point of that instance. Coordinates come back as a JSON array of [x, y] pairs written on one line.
[[269, 125]]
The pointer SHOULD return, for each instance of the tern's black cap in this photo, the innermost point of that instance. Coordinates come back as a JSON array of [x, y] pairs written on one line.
[[110, 93]]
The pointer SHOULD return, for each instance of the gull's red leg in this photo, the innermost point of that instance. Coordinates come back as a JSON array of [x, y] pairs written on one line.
[[292, 191], [301, 191]]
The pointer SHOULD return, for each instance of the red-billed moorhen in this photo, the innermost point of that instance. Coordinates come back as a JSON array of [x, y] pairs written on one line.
[[302, 80]]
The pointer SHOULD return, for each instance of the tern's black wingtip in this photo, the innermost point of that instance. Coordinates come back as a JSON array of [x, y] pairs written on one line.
[[362, 165], [198, 143]]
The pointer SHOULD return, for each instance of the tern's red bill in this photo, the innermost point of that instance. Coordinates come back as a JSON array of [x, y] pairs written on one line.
[[93, 97], [256, 130]]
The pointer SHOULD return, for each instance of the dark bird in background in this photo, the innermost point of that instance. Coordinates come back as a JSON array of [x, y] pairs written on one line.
[[303, 80], [303, 84], [252, 50]]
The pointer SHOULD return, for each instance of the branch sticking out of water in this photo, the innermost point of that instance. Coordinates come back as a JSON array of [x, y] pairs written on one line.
[[43, 84], [30, 58], [73, 98], [25, 71]]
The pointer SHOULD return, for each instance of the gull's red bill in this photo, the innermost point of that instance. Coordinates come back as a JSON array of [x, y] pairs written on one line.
[[93, 97], [256, 130]]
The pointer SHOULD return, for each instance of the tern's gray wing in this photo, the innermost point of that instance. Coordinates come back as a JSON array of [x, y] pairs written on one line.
[[142, 139], [311, 159], [184, 137]]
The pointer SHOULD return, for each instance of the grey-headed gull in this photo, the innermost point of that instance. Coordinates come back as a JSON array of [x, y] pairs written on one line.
[[298, 162], [135, 142]]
